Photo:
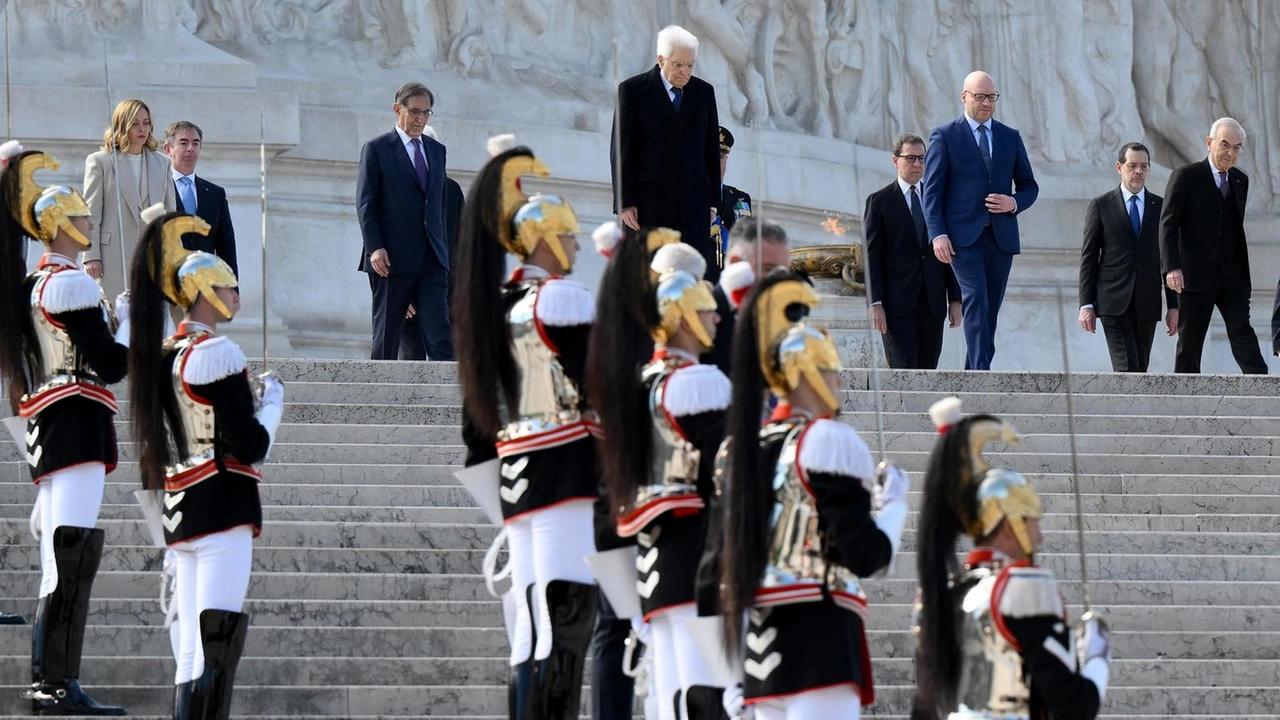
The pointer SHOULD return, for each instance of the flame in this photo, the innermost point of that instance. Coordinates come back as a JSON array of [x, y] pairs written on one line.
[[833, 226]]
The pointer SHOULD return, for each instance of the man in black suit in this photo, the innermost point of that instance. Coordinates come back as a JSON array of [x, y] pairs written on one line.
[[1203, 253], [912, 292], [183, 141], [1120, 265], [664, 153], [763, 245], [411, 347], [400, 203]]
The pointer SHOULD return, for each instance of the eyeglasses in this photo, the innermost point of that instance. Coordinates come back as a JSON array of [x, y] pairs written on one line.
[[420, 114], [911, 159], [984, 97], [680, 66]]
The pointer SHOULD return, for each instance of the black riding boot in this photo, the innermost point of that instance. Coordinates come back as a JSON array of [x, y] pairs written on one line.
[[7, 619], [57, 640], [558, 678], [182, 700], [222, 632], [705, 703]]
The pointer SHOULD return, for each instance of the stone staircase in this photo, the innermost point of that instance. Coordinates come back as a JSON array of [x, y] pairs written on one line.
[[367, 600]]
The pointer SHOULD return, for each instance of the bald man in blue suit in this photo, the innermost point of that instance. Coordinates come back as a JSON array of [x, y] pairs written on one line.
[[977, 179]]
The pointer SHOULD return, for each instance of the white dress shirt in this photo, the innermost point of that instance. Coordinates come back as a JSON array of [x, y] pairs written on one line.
[[991, 136], [408, 148], [671, 95], [1142, 199]]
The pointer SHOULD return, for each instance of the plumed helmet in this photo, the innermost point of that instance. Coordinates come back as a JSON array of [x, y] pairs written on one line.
[[995, 495], [43, 211], [527, 220], [681, 293], [187, 275], [791, 350]]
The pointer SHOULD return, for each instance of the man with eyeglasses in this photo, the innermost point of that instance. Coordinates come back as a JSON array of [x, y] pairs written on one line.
[[400, 203], [1203, 253], [1120, 265], [665, 150], [977, 179], [912, 292]]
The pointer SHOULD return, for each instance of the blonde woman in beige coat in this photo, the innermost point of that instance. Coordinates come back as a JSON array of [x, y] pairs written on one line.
[[118, 188]]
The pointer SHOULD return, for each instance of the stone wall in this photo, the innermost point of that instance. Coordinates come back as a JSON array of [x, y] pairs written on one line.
[[814, 90]]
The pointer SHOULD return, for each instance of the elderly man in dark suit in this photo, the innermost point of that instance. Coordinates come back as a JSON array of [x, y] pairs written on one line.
[[665, 153], [411, 347], [400, 203], [183, 141], [912, 292], [977, 179], [1120, 265], [1203, 252]]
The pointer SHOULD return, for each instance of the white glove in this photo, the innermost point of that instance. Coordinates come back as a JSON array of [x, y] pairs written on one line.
[[890, 503], [271, 408], [122, 316], [1093, 648], [892, 485], [733, 702]]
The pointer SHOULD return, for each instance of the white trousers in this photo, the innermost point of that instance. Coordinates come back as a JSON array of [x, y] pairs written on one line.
[[546, 545], [841, 701], [679, 662], [213, 574], [69, 497]]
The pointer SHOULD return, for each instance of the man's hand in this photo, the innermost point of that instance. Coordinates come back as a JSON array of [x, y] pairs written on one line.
[[877, 319], [1171, 321], [410, 313], [955, 313], [94, 268], [714, 212], [380, 262], [631, 218], [998, 203], [1088, 319], [942, 249], [1173, 279]]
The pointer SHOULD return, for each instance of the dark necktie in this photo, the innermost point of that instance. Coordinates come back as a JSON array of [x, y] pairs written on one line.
[[678, 98], [1133, 215], [917, 214], [420, 163], [1222, 186], [984, 147]]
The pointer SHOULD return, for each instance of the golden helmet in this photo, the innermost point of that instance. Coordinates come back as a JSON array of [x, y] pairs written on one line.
[[791, 350], [187, 275], [680, 291], [43, 211], [530, 219], [999, 494]]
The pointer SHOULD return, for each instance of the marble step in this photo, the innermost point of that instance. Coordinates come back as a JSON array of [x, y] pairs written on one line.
[[445, 443], [362, 371], [286, 671], [491, 642], [324, 614], [458, 536], [376, 587], [418, 701]]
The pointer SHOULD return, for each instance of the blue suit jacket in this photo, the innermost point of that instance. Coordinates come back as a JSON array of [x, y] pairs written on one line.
[[394, 212], [956, 185]]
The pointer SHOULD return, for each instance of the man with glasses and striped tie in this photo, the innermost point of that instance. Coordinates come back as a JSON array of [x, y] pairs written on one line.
[[400, 204], [977, 179]]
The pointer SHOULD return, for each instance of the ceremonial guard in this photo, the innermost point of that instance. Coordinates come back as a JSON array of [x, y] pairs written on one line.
[[733, 203], [662, 427], [806, 515], [202, 427], [59, 350], [994, 640], [7, 151], [521, 344]]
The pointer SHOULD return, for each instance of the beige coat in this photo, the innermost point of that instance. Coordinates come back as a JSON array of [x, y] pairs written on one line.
[[100, 193]]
